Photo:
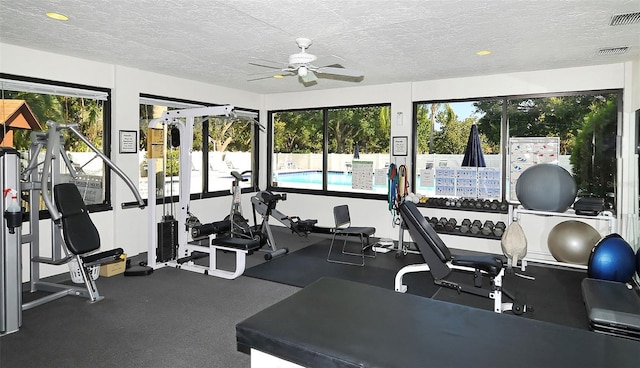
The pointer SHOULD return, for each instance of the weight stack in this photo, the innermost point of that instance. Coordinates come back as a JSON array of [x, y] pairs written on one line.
[[167, 239]]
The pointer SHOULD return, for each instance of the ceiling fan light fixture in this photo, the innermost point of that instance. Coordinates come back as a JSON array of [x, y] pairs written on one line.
[[303, 71]]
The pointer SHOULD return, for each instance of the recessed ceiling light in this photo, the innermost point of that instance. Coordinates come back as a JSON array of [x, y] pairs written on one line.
[[57, 16], [483, 52], [278, 76]]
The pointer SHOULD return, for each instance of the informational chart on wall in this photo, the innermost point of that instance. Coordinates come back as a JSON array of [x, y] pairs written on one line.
[[467, 182], [362, 175], [526, 152]]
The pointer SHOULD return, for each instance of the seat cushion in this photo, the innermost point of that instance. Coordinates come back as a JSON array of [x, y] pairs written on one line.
[[237, 243], [491, 264], [357, 230]]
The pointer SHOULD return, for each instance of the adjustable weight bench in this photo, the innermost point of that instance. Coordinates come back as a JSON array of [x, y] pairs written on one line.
[[240, 246], [440, 263]]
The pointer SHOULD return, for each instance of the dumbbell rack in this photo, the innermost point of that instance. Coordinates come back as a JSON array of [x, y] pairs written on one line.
[[470, 205], [466, 205]]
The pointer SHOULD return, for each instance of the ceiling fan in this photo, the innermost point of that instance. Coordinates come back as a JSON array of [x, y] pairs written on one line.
[[300, 64]]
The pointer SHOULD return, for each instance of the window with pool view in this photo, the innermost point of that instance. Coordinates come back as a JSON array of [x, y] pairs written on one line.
[[342, 149]]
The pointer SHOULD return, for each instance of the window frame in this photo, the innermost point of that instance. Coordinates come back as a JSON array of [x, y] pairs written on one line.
[[325, 154], [106, 204], [504, 130], [205, 193]]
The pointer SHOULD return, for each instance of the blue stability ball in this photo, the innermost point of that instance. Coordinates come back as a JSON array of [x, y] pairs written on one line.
[[546, 187], [612, 259], [638, 262]]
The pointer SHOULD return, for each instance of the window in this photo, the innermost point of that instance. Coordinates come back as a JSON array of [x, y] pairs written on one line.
[[577, 130], [585, 129], [228, 143], [442, 134], [28, 104], [352, 156]]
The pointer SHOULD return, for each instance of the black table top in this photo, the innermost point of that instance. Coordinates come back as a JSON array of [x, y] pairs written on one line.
[[338, 323]]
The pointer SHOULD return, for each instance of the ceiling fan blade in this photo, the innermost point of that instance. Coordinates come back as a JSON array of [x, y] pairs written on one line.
[[260, 78], [265, 66], [340, 71], [285, 73]]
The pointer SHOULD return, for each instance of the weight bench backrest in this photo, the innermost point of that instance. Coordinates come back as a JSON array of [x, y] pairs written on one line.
[[431, 246], [79, 232]]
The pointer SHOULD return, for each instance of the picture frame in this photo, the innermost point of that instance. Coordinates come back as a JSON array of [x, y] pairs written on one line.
[[128, 141], [400, 146]]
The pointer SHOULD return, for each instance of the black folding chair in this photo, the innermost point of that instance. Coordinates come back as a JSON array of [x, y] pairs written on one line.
[[344, 228]]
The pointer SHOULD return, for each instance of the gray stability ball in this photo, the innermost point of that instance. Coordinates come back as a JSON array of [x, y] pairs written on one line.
[[572, 241], [546, 187]]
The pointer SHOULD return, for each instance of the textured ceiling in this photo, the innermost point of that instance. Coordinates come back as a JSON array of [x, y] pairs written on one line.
[[390, 41]]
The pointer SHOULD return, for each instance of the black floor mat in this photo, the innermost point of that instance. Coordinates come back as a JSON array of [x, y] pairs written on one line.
[[555, 293], [306, 265]]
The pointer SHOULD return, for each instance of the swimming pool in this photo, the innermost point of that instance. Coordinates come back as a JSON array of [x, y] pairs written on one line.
[[336, 180]]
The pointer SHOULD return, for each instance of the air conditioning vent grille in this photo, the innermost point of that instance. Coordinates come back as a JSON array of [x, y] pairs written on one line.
[[613, 50], [625, 19]]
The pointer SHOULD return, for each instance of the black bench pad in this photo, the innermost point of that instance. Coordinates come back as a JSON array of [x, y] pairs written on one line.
[[337, 323], [237, 243]]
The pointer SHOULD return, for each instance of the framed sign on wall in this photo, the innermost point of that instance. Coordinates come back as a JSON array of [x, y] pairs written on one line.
[[400, 146]]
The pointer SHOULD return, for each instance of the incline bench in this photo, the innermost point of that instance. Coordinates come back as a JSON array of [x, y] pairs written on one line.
[[337, 323]]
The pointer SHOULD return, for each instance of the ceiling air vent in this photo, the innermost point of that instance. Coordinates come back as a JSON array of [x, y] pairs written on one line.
[[624, 19], [613, 50]]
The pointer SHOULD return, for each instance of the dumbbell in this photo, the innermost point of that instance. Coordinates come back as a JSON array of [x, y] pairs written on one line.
[[504, 206], [476, 225], [495, 204], [499, 228], [486, 204], [487, 228], [479, 204], [440, 223], [450, 226], [465, 226], [465, 203], [433, 221]]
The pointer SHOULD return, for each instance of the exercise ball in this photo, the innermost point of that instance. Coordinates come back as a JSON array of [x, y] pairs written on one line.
[[612, 259], [572, 241], [638, 262], [546, 187]]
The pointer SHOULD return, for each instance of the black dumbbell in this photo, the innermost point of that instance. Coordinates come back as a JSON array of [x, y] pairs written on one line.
[[498, 230], [486, 204], [465, 203], [433, 221], [487, 228], [440, 223], [476, 225], [495, 204], [450, 226], [504, 206], [465, 226], [479, 204]]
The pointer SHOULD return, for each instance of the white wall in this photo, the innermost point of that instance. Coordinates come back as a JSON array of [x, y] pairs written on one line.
[[127, 228]]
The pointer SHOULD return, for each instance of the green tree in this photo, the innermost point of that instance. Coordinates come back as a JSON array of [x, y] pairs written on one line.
[[298, 131], [594, 155]]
